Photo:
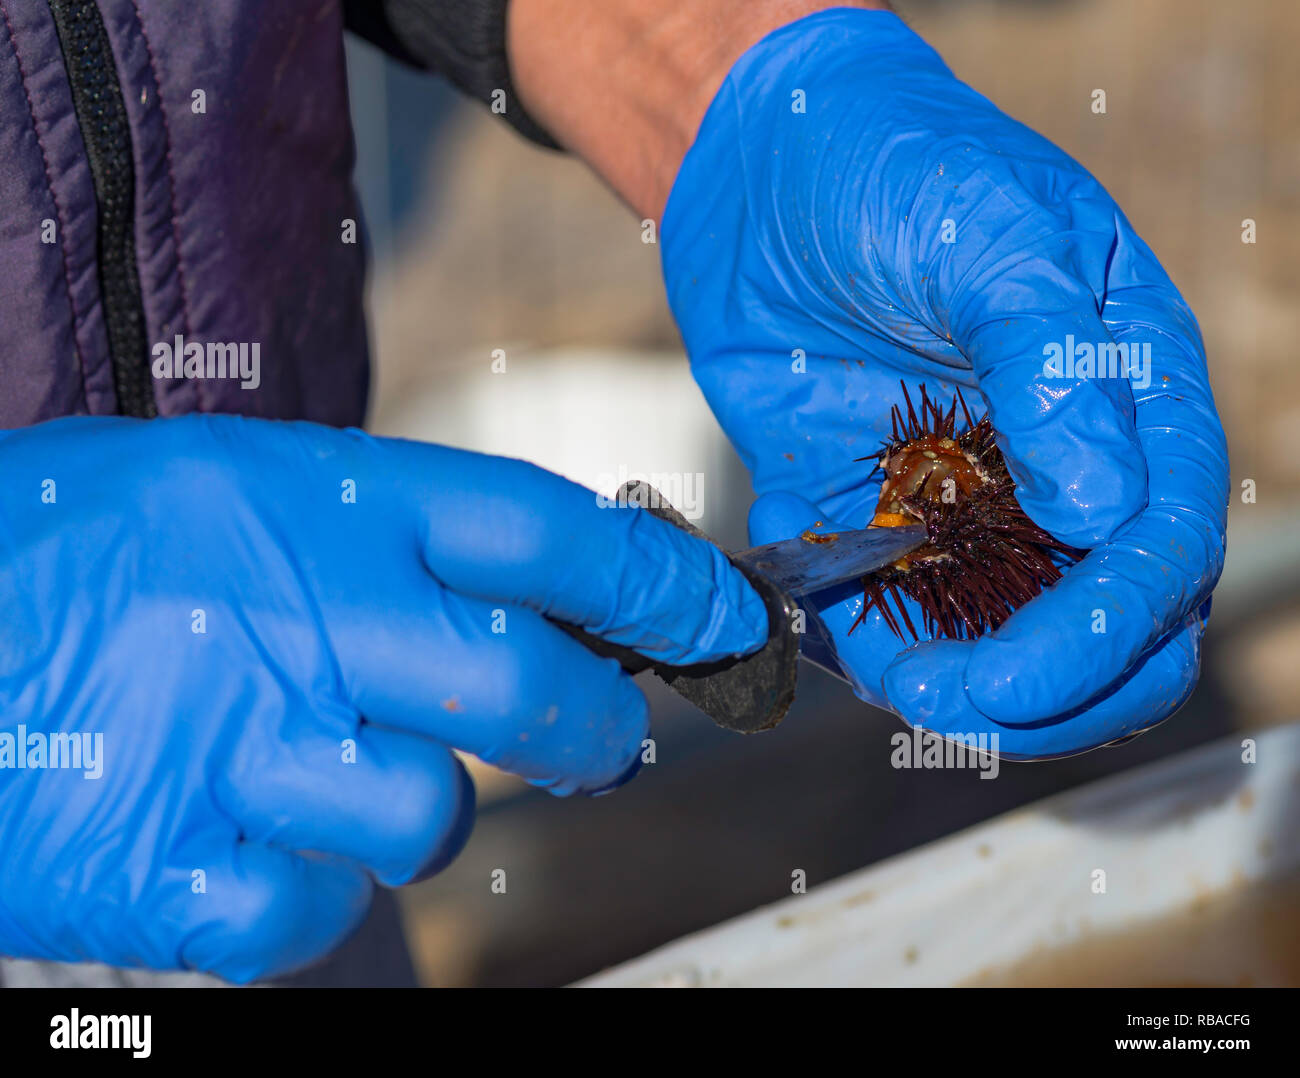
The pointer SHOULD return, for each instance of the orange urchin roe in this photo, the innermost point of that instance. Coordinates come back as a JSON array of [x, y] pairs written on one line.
[[926, 462]]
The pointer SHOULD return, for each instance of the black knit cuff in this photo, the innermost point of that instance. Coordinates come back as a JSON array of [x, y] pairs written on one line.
[[462, 40]]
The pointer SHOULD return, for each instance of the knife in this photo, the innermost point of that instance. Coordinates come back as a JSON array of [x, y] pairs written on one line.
[[749, 693]]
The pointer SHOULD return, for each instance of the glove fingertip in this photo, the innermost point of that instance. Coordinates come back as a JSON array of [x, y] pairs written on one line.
[[457, 826], [992, 683], [926, 684], [1089, 494], [1075, 455]]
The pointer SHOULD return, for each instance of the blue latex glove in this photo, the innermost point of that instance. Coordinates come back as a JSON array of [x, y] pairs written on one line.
[[817, 238], [229, 830]]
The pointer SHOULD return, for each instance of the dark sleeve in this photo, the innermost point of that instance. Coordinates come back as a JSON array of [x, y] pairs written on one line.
[[462, 40]]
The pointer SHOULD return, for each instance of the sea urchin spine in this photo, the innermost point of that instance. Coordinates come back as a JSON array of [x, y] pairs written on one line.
[[985, 558]]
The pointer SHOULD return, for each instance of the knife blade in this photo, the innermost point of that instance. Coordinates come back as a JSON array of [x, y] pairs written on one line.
[[814, 561]]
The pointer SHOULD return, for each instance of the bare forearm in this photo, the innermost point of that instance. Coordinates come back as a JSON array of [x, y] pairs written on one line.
[[625, 83]]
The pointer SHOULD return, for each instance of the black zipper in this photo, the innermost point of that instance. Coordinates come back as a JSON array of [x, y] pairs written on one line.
[[106, 132]]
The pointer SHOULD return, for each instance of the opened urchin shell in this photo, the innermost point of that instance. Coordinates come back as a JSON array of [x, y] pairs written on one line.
[[985, 558]]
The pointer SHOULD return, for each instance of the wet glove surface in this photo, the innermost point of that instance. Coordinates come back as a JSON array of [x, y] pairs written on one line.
[[851, 215], [269, 637]]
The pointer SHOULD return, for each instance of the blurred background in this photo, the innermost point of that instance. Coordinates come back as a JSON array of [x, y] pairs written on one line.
[[481, 242]]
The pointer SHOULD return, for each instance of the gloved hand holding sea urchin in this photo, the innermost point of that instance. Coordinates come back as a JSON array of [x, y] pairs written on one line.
[[851, 215], [265, 639]]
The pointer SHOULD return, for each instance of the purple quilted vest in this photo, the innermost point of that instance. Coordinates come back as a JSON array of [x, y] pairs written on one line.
[[175, 199]]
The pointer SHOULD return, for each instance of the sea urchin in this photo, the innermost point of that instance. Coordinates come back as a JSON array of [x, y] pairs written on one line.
[[985, 558]]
